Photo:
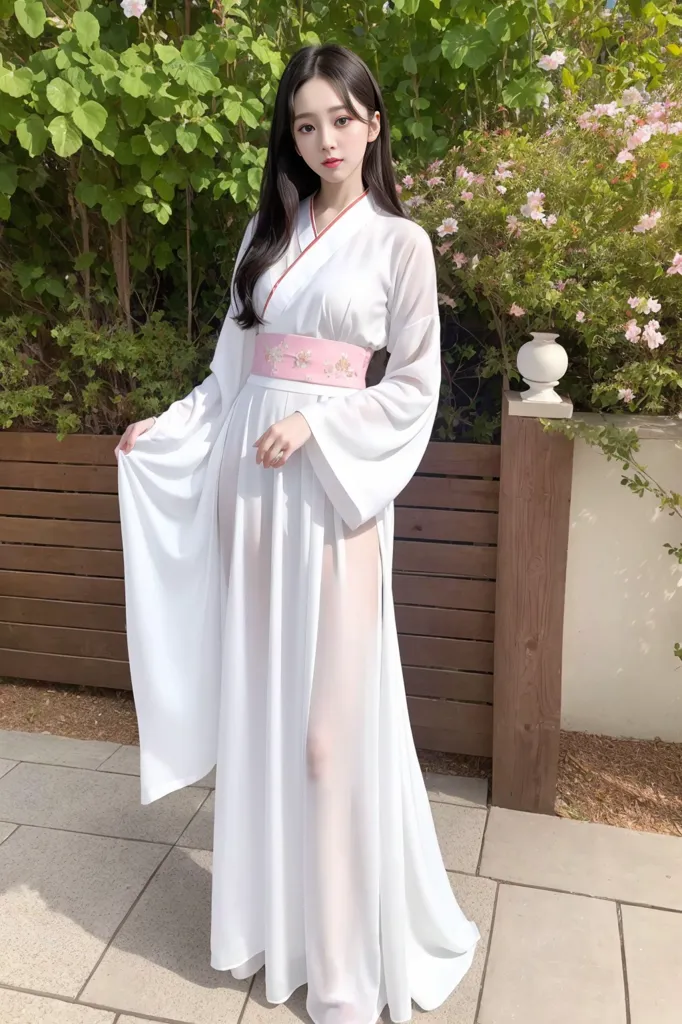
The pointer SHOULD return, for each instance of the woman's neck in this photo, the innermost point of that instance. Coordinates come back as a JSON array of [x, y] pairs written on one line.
[[331, 199]]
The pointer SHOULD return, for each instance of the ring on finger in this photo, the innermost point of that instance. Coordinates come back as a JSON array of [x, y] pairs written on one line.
[[277, 457]]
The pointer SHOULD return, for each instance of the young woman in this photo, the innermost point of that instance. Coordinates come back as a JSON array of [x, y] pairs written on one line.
[[258, 531]]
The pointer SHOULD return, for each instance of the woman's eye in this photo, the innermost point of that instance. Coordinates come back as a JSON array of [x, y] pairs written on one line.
[[344, 117], [303, 126]]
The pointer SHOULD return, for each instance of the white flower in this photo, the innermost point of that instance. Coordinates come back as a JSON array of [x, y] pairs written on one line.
[[459, 259], [501, 173], [551, 220], [133, 8], [501, 189], [624, 156], [626, 394], [676, 265], [606, 109], [647, 222], [533, 208], [652, 306], [630, 97], [632, 331], [474, 262], [514, 225], [640, 136], [580, 316], [387, 7], [516, 310], [634, 302], [675, 128], [652, 335], [448, 227], [552, 61], [445, 300]]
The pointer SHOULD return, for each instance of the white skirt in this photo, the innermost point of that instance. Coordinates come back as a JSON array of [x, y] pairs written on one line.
[[327, 869]]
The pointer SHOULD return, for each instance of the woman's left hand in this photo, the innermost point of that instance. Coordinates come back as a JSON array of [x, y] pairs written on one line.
[[279, 443]]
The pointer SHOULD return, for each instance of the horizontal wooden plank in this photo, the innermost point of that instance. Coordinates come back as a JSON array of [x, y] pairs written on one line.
[[434, 682], [445, 559], [59, 668], [40, 476], [464, 625], [437, 652], [62, 588], [443, 592], [451, 492], [440, 524], [454, 459], [51, 505], [460, 741], [452, 727], [84, 643], [61, 533], [63, 613], [79, 561], [76, 449]]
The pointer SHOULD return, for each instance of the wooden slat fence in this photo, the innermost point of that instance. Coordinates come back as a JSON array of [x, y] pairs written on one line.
[[61, 566]]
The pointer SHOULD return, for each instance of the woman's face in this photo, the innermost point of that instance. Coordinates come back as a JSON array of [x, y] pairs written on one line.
[[331, 140]]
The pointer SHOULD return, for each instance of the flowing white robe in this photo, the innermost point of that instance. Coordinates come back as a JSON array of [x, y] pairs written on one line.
[[262, 634]]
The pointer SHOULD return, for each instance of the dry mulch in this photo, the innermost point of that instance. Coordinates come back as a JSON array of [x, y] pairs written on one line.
[[634, 784]]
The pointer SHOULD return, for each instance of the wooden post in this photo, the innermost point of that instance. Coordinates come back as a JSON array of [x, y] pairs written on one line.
[[535, 495]]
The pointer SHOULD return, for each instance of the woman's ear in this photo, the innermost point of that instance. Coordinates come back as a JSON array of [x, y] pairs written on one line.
[[375, 126]]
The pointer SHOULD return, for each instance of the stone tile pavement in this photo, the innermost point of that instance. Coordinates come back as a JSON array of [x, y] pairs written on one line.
[[104, 904]]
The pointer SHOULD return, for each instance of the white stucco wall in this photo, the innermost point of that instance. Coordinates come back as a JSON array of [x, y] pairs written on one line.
[[624, 596]]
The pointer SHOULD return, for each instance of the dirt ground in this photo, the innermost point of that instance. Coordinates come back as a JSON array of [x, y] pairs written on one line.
[[631, 783]]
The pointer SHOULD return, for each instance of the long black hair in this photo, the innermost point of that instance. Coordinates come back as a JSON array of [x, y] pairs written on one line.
[[287, 179]]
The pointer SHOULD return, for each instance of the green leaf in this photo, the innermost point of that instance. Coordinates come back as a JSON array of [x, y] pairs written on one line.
[[8, 179], [16, 83], [91, 118], [112, 210], [139, 145], [188, 136], [253, 176], [469, 45], [31, 16], [89, 193], [213, 132], [498, 25], [163, 255], [132, 83], [5, 207], [144, 190], [84, 261], [161, 136], [62, 96], [568, 79], [166, 54], [66, 138], [191, 50], [87, 28], [134, 109], [32, 135], [164, 188], [107, 140], [410, 64], [232, 109]]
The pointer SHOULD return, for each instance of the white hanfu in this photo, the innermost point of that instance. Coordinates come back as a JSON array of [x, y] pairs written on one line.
[[262, 634]]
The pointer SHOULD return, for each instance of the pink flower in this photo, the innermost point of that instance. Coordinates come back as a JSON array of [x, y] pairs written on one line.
[[640, 136], [435, 165], [459, 259], [431, 182], [632, 332], [551, 220], [478, 179], [515, 310], [448, 227], [514, 225], [652, 306], [676, 265], [408, 181], [560, 286], [502, 173], [626, 394], [445, 300], [634, 302], [464, 175], [655, 112], [444, 247], [552, 61], [624, 156], [466, 196], [533, 208], [606, 109], [580, 316], [399, 189], [501, 189], [652, 335], [586, 120], [647, 222], [675, 128]]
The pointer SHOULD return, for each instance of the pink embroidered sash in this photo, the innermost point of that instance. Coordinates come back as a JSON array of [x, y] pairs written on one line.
[[314, 360]]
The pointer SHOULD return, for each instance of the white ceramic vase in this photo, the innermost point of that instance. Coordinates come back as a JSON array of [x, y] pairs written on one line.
[[542, 363]]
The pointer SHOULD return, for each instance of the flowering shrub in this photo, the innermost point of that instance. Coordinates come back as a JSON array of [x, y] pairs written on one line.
[[574, 227]]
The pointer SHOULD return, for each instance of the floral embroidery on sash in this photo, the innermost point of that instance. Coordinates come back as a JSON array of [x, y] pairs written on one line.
[[303, 358], [275, 354], [341, 368]]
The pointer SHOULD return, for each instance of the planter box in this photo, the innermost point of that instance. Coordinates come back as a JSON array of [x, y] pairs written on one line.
[[62, 616]]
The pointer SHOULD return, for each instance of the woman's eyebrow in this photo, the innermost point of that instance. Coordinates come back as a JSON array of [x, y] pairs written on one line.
[[330, 110]]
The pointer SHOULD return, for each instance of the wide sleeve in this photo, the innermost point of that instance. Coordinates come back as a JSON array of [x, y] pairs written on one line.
[[366, 445], [168, 488]]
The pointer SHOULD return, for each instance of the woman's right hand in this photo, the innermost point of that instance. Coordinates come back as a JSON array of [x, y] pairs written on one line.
[[135, 430]]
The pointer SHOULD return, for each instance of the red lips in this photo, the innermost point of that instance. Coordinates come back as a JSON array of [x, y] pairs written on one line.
[[332, 163]]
